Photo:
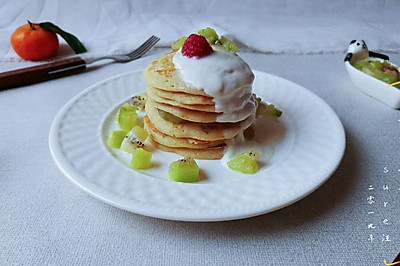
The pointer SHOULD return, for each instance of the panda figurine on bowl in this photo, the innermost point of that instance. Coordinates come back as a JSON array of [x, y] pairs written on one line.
[[358, 50], [372, 73]]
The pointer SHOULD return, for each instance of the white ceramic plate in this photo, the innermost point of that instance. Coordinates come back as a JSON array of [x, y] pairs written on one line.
[[309, 152]]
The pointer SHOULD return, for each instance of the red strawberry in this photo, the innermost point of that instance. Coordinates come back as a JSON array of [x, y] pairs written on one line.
[[196, 46]]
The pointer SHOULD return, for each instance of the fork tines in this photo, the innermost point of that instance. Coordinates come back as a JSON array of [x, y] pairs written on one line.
[[147, 45]]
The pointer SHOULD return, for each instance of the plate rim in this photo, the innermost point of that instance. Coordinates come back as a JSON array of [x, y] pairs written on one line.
[[99, 192]]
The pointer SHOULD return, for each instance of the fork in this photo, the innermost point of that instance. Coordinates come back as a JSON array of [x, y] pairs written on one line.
[[61, 68]]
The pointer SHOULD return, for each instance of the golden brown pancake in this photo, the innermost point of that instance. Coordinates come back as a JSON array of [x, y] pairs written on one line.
[[161, 73], [180, 97], [198, 130], [172, 142], [201, 131], [206, 153]]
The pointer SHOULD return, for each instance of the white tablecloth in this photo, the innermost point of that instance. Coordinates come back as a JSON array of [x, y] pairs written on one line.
[[353, 219]]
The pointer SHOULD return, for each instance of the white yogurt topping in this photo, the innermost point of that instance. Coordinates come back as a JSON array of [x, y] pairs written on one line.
[[224, 76], [248, 109]]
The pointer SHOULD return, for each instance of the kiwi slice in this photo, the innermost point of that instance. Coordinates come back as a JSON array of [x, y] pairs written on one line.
[[184, 170], [271, 110], [126, 116], [134, 139], [141, 159], [139, 100], [245, 162], [115, 139], [176, 45], [210, 34], [169, 117], [228, 45]]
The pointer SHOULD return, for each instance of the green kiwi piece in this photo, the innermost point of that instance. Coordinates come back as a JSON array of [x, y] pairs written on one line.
[[271, 110], [245, 162], [176, 45], [184, 170], [115, 139], [141, 159], [126, 116], [139, 100], [228, 45], [209, 34]]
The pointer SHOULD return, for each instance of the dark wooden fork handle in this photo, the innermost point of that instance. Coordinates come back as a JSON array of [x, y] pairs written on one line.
[[31, 75]]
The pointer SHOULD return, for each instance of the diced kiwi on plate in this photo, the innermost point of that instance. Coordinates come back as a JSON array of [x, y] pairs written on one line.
[[245, 162], [126, 116], [184, 170], [141, 159]]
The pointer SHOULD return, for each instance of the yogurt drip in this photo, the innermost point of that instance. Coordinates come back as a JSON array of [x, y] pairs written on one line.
[[222, 75]]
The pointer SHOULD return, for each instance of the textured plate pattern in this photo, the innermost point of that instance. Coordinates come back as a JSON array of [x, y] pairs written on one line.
[[309, 153]]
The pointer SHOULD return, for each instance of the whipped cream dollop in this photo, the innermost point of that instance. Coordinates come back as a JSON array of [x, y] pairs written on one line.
[[222, 75]]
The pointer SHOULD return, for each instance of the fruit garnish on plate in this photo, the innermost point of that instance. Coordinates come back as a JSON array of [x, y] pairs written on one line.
[[245, 162], [184, 170], [141, 159], [196, 46], [212, 38], [266, 110], [139, 100], [134, 139], [115, 139], [126, 116]]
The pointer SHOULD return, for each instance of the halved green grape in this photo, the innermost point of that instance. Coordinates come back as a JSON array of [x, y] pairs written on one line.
[[141, 159], [169, 117], [139, 100], [126, 116], [228, 45], [115, 139], [184, 170], [245, 162], [209, 34], [176, 45]]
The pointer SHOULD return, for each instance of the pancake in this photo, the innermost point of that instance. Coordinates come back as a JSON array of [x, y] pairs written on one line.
[[201, 131], [207, 117], [206, 153], [161, 73], [194, 106], [180, 97], [170, 141]]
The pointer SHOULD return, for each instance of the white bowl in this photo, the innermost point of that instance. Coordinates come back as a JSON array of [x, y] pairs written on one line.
[[374, 87]]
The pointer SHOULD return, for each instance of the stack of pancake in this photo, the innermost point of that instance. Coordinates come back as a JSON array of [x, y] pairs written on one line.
[[183, 119]]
